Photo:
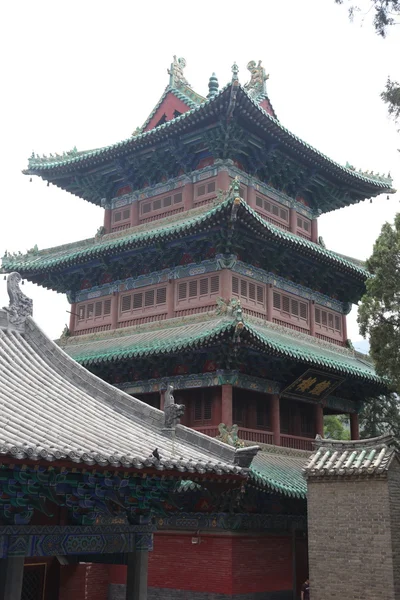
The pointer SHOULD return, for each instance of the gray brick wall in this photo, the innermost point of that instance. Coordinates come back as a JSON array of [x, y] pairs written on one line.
[[349, 536], [394, 499]]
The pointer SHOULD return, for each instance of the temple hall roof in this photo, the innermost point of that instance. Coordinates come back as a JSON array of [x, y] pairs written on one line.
[[53, 409], [194, 222], [280, 470], [362, 458], [202, 331], [93, 174]]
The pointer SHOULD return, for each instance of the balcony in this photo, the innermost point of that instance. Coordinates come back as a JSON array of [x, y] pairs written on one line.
[[263, 437]]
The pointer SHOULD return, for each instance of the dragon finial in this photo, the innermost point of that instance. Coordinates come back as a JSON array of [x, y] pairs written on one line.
[[256, 85], [172, 411], [20, 305]]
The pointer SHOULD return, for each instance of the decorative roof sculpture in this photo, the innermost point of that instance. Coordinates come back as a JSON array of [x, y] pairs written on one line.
[[256, 85], [176, 77], [53, 409]]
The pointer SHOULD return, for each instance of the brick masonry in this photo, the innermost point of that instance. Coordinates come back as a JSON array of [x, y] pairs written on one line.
[[244, 567], [354, 537]]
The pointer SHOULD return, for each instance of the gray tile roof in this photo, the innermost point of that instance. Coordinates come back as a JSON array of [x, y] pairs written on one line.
[[361, 458], [280, 470], [54, 409]]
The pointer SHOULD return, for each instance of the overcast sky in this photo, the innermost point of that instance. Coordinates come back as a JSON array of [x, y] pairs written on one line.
[[87, 73]]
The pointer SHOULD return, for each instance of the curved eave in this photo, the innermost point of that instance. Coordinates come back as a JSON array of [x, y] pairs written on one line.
[[250, 218], [246, 107], [250, 338], [264, 482]]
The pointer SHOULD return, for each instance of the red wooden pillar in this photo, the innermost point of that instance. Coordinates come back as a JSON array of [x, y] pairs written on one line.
[[227, 404], [170, 299], [276, 419], [270, 301], [226, 284], [312, 317], [344, 323], [107, 220], [354, 427], [162, 399], [319, 420], [223, 181], [135, 213], [314, 230], [251, 196], [72, 318], [114, 310], [293, 220], [188, 196]]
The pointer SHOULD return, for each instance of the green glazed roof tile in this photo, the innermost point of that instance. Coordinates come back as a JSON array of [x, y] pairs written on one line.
[[191, 221], [280, 471], [266, 121], [184, 334]]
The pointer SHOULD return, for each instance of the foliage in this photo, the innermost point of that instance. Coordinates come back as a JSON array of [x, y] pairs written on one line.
[[336, 427], [379, 416], [379, 310], [385, 13], [391, 96]]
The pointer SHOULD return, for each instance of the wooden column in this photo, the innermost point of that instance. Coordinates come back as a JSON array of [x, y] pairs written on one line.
[[107, 220], [270, 301], [314, 230], [226, 284], [114, 310], [354, 427], [227, 404], [276, 419], [171, 298], [319, 420], [72, 318], [135, 213], [11, 576], [312, 317], [136, 580], [223, 181], [344, 327], [251, 196], [293, 220], [187, 195]]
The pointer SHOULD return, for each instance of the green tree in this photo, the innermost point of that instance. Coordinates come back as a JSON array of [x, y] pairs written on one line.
[[379, 309], [336, 427], [379, 416], [386, 15]]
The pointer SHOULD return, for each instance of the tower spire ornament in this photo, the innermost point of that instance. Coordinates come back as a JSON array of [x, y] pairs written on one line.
[[176, 77], [212, 86], [256, 85], [20, 306]]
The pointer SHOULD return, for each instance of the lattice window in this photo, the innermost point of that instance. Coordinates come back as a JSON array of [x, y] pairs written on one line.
[[239, 411], [94, 311], [147, 300], [290, 308], [33, 582], [121, 215], [304, 225], [327, 321], [278, 212], [203, 408], [205, 190], [251, 294], [160, 205], [202, 289]]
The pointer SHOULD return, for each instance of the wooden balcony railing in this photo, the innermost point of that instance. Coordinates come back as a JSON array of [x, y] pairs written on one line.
[[294, 441], [248, 435]]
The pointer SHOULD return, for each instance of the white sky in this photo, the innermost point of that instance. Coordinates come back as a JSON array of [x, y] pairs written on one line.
[[86, 74]]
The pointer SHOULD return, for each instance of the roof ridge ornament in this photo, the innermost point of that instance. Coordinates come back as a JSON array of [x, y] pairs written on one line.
[[212, 86], [172, 411], [20, 306], [256, 85], [176, 77], [235, 71]]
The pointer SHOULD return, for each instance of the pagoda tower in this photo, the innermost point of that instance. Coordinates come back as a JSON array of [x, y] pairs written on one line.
[[208, 272]]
